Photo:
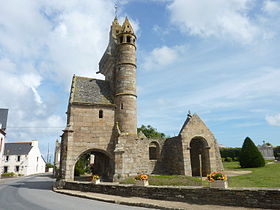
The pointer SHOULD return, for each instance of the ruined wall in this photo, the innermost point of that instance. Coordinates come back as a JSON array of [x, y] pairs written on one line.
[[172, 156]]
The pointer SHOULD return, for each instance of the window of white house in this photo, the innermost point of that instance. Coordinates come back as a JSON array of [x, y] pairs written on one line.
[[7, 158], [18, 158], [5, 169], [17, 169]]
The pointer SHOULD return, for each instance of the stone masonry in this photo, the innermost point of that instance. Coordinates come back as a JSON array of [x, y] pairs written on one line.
[[102, 120]]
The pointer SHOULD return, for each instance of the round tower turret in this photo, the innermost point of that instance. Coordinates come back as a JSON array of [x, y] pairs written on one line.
[[125, 80]]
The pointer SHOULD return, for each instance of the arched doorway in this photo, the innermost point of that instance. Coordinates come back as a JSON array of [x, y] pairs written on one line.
[[200, 161], [94, 161]]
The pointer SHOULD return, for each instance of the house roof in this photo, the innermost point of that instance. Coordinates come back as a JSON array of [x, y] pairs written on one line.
[[3, 118], [90, 91], [17, 148]]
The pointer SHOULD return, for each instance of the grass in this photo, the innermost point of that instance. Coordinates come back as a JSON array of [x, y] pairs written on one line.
[[267, 176], [174, 180]]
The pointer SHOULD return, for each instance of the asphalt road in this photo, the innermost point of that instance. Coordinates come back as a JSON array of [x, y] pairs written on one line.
[[34, 193]]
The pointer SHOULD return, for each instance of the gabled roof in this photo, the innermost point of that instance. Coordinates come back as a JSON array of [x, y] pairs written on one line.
[[90, 91], [193, 121], [3, 118], [17, 148]]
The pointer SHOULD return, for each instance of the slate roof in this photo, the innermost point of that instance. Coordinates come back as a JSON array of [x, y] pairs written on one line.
[[18, 148], [90, 91], [3, 118]]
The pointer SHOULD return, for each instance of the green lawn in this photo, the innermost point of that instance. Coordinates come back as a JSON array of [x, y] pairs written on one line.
[[175, 180], [267, 176]]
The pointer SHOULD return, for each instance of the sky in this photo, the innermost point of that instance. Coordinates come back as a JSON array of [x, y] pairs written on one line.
[[219, 59]]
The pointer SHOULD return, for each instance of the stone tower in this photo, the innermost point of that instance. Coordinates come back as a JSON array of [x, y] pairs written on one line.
[[118, 64], [125, 82]]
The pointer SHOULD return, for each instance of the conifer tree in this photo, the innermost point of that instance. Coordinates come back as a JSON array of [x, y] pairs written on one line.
[[250, 156]]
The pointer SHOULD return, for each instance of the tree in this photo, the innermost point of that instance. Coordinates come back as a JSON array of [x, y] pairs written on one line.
[[151, 132], [82, 165], [250, 156], [49, 165]]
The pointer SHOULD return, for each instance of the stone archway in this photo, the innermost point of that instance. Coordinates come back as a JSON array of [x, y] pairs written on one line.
[[199, 148], [102, 163]]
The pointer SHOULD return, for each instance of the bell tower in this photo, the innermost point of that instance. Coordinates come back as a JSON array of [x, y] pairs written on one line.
[[125, 80]]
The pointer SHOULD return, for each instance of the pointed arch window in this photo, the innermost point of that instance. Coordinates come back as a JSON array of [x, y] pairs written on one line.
[[100, 113]]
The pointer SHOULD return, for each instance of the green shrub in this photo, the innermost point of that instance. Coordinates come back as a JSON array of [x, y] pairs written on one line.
[[8, 174], [276, 151], [223, 159], [230, 152], [235, 159], [228, 159], [250, 156]]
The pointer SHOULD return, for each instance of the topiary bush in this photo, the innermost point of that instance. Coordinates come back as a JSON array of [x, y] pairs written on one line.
[[250, 156]]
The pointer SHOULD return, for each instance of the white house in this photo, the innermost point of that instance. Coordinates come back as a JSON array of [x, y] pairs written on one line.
[[2, 142], [3, 124], [23, 158]]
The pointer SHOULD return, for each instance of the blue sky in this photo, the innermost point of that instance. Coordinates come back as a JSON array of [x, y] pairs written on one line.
[[219, 59]]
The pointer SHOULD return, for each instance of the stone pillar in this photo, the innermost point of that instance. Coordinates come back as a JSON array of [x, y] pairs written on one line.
[[66, 171]]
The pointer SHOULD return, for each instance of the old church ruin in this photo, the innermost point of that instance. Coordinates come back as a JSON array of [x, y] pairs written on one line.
[[102, 119]]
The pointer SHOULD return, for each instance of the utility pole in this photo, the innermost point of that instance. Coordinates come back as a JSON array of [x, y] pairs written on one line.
[[48, 154]]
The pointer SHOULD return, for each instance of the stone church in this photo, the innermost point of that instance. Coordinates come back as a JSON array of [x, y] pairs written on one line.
[[102, 120]]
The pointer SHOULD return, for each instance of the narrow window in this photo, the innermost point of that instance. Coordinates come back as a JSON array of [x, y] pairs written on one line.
[[37, 159], [128, 39], [121, 105], [5, 169], [17, 168], [100, 113], [7, 158], [18, 158]]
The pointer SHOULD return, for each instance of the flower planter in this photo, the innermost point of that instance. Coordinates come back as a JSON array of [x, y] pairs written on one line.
[[141, 183], [219, 184], [96, 181]]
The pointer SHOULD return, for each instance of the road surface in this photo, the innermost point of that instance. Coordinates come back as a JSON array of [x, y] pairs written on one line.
[[34, 193]]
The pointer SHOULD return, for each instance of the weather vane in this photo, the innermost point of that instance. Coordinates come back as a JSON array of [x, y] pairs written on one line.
[[116, 7]]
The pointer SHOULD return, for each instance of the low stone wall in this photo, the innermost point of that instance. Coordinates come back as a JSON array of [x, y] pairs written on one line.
[[246, 197]]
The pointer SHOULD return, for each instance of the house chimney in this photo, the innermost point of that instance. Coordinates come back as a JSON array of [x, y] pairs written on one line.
[[34, 143]]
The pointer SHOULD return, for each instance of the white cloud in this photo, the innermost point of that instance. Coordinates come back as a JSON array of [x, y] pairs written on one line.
[[55, 121], [273, 120], [160, 57], [42, 44], [271, 7], [218, 18]]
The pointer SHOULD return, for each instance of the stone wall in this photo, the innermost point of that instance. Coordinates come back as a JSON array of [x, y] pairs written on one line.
[[172, 157], [246, 197]]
